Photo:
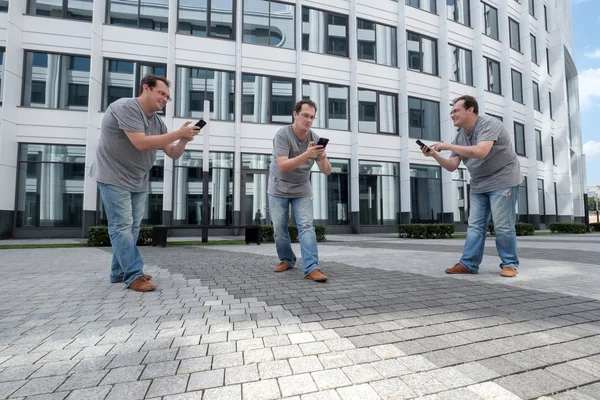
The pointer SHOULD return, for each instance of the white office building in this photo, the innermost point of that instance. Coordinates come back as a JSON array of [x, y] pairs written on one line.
[[382, 72]]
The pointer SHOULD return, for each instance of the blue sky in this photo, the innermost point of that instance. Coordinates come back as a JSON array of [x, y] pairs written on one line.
[[586, 46]]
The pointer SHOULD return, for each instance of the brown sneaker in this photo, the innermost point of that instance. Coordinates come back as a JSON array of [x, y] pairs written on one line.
[[317, 276], [508, 272], [458, 269], [282, 266], [141, 284], [147, 276]]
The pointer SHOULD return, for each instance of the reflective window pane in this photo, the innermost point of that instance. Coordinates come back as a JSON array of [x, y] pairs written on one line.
[[459, 181], [541, 200], [539, 155], [517, 86], [523, 202], [154, 15], [266, 99], [423, 119], [534, 57], [194, 85], [123, 13], [80, 9], [367, 111], [122, 78], [331, 193], [519, 138], [46, 8], [493, 71], [514, 34], [50, 185], [458, 11], [282, 104], [269, 23], [323, 32], [426, 194], [422, 53], [461, 66], [379, 193], [427, 5], [536, 96], [221, 19], [332, 104], [377, 43], [1, 71], [388, 112], [194, 17], [490, 21], [256, 161], [3, 5]]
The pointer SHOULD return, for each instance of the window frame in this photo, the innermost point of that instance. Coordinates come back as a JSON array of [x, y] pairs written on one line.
[[533, 45], [472, 83], [235, 4], [515, 124], [396, 63], [488, 62], [328, 98], [327, 14], [536, 96], [269, 26], [270, 100], [139, 4], [421, 36], [434, 11], [512, 72], [455, 13], [422, 119], [485, 15], [510, 35], [64, 12], [378, 93], [539, 154]]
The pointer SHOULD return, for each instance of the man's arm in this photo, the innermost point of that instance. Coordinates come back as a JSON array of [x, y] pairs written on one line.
[[324, 165], [287, 164], [480, 150], [450, 164], [142, 142], [174, 151]]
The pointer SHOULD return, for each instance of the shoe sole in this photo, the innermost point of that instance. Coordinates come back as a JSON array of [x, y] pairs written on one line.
[[148, 277]]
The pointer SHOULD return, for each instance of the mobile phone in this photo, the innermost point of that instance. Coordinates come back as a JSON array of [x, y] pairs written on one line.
[[322, 142], [423, 145], [200, 123]]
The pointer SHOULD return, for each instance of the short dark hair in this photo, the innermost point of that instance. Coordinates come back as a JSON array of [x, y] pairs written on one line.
[[151, 79], [469, 101], [308, 102]]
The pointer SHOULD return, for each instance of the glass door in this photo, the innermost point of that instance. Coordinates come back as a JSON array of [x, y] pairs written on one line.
[[254, 202]]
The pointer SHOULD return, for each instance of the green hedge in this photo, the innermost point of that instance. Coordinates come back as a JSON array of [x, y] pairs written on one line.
[[521, 228], [426, 231], [567, 227], [268, 234], [98, 236], [595, 226]]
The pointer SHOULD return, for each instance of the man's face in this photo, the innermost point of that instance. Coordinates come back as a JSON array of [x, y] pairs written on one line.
[[305, 117], [459, 114], [159, 95]]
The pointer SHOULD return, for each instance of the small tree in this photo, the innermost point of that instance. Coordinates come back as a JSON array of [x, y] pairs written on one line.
[[592, 203]]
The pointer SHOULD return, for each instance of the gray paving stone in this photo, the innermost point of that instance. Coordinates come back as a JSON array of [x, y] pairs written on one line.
[[358, 392], [274, 369], [55, 368], [321, 395], [491, 390], [8, 388], [573, 394], [40, 386], [82, 380], [393, 388], [241, 374], [93, 364], [533, 383], [586, 366], [18, 373], [314, 348], [360, 356], [192, 352], [390, 368], [304, 337], [96, 393], [159, 370], [283, 352], [233, 392], [50, 396], [185, 396], [477, 372], [275, 341], [227, 360], [129, 390], [190, 365], [361, 373], [123, 374], [339, 344], [258, 356], [296, 384], [423, 383], [206, 380], [330, 379], [305, 364], [262, 390], [168, 385]]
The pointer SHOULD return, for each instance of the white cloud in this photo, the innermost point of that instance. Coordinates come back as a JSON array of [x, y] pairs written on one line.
[[592, 54], [578, 1], [591, 148], [589, 87]]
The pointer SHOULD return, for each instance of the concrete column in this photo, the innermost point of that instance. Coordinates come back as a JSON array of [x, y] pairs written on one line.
[[353, 110], [403, 117]]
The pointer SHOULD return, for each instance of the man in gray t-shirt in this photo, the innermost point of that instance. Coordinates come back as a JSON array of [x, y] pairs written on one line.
[[483, 145], [130, 135], [295, 150]]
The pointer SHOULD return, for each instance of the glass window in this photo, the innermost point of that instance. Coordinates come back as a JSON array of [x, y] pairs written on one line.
[[324, 32], [2, 50], [427, 5], [189, 190], [56, 81], [539, 155], [267, 100], [3, 5], [495, 116], [461, 211], [76, 9], [331, 193], [269, 23], [548, 61], [491, 21], [459, 11], [536, 96], [550, 104], [422, 53], [423, 119], [546, 18], [514, 34], [207, 18], [523, 202], [146, 14], [493, 72], [461, 65], [122, 78], [534, 57], [553, 156], [376, 43], [332, 104], [379, 192], [194, 85], [519, 138], [541, 200], [517, 86], [376, 112], [50, 185], [532, 7], [425, 194]]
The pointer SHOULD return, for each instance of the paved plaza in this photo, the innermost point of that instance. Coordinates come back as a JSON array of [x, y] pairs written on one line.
[[389, 323]]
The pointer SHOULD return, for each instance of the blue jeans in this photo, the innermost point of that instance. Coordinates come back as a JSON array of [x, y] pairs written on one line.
[[303, 211], [501, 205], [124, 210]]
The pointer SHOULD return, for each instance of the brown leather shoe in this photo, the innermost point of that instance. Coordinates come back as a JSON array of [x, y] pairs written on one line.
[[282, 266], [458, 269], [316, 276], [508, 272], [147, 276], [141, 284]]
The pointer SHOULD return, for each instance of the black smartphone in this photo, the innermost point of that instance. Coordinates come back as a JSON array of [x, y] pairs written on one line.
[[200, 123], [421, 144], [322, 142]]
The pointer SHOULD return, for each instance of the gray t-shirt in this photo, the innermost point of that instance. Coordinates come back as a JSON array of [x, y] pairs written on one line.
[[118, 162], [295, 183], [500, 168]]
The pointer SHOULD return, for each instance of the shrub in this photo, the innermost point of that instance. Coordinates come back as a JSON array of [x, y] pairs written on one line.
[[595, 226], [98, 236], [567, 227], [426, 231], [269, 236], [521, 228]]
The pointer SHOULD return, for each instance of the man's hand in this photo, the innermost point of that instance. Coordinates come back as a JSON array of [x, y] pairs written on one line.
[[440, 146], [314, 152], [187, 132]]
